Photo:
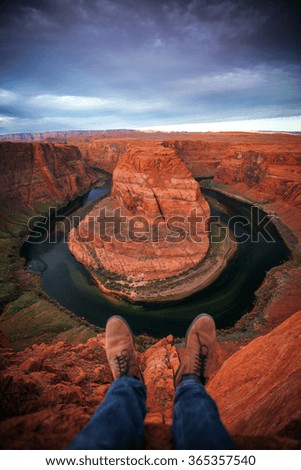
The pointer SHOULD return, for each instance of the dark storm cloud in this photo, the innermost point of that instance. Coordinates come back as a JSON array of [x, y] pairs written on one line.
[[129, 63]]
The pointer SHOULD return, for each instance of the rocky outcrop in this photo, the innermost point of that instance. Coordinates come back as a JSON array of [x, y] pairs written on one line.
[[152, 181], [35, 173], [153, 196], [258, 388], [50, 391]]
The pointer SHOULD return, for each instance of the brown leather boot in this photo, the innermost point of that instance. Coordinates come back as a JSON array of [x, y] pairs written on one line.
[[200, 350], [120, 349]]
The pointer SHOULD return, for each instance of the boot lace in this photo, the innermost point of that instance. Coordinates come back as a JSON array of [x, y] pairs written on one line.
[[200, 362], [126, 366], [122, 362]]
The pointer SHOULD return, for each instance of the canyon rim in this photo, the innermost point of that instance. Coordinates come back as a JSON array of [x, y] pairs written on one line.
[[53, 365]]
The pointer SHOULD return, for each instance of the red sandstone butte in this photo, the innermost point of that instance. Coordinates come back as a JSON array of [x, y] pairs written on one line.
[[152, 182]]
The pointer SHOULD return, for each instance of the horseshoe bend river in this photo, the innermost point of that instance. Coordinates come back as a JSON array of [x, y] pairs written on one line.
[[229, 297]]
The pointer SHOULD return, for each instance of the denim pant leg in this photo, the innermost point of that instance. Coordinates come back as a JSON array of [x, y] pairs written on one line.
[[196, 422], [118, 423]]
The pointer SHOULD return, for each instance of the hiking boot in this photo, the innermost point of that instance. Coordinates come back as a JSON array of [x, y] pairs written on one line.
[[120, 349], [200, 350]]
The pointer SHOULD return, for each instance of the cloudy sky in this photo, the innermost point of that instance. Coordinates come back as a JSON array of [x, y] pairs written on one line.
[[170, 64]]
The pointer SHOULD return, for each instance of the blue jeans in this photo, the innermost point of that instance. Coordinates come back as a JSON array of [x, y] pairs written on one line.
[[118, 423]]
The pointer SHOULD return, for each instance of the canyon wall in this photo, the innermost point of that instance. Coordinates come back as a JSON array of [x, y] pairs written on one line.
[[201, 158], [263, 176], [33, 177], [201, 153], [104, 153], [152, 183], [49, 391], [35, 173], [258, 388], [271, 178]]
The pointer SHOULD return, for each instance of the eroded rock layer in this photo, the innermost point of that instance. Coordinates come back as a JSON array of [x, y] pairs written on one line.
[[258, 388], [155, 194], [263, 176], [201, 153], [270, 177], [200, 157], [104, 153], [51, 390], [32, 173]]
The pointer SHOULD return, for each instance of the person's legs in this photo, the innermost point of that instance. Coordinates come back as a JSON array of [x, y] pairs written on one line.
[[196, 422], [118, 421]]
